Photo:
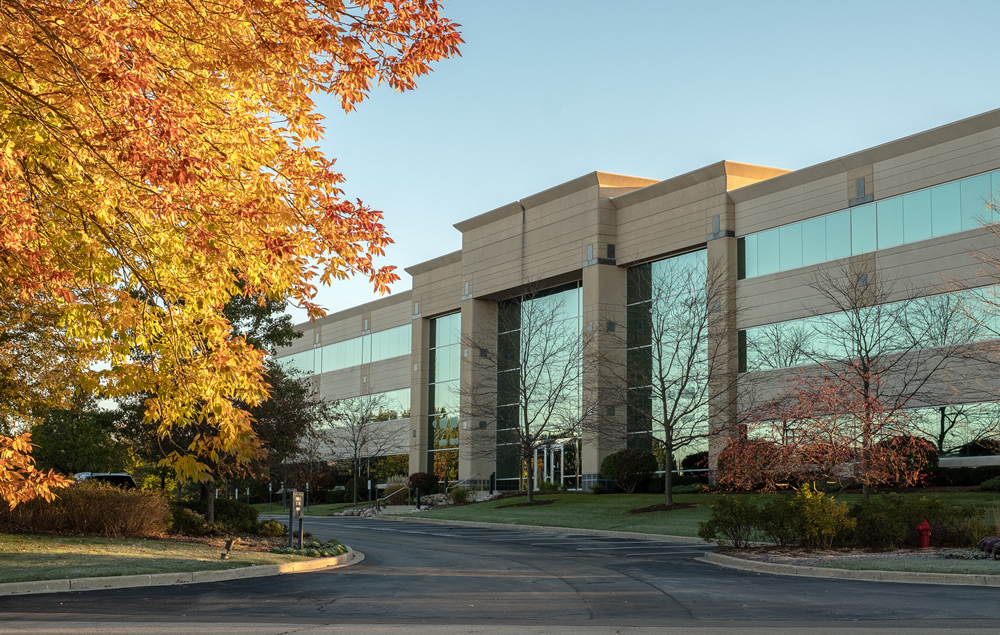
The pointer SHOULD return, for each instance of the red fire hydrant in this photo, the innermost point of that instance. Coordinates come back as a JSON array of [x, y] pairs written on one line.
[[925, 534]]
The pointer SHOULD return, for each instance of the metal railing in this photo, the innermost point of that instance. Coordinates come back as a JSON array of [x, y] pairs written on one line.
[[465, 480]]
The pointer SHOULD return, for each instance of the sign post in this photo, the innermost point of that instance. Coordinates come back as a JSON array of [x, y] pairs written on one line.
[[295, 510]]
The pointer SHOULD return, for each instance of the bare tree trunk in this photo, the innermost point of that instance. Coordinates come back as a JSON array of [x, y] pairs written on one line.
[[530, 463], [668, 474], [210, 502]]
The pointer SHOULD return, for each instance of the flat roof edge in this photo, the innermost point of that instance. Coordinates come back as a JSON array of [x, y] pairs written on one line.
[[890, 149], [434, 263], [394, 298]]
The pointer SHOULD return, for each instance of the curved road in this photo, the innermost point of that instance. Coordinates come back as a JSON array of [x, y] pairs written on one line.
[[419, 577]]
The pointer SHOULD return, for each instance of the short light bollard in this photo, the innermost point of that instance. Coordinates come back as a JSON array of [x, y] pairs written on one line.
[[232, 542], [295, 510], [924, 530]]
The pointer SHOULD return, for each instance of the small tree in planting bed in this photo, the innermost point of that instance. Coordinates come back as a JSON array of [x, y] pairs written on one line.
[[824, 429], [628, 468]]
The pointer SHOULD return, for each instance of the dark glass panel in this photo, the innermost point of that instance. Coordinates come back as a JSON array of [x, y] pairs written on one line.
[[638, 325], [639, 283]]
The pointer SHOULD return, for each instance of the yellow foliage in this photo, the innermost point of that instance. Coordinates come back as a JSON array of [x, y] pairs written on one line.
[[157, 158]]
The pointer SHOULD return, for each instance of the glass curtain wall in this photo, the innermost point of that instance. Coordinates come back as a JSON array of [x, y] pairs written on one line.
[[928, 322], [373, 347], [521, 379], [928, 213], [443, 396], [666, 353]]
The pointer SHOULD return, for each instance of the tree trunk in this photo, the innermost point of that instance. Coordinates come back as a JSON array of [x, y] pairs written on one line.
[[210, 502], [529, 462], [668, 464], [357, 475]]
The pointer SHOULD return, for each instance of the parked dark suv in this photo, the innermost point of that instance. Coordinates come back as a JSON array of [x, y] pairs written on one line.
[[123, 480]]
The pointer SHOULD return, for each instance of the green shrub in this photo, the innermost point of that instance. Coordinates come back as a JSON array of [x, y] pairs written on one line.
[[598, 488], [427, 483], [964, 476], [734, 522], [888, 521], [655, 485], [335, 496], [459, 495], [992, 485], [980, 447], [779, 521], [270, 528], [629, 467], [693, 488], [95, 509], [549, 486], [231, 516], [821, 519], [189, 522]]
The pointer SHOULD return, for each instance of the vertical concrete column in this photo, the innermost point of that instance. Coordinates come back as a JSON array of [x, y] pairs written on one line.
[[477, 427], [723, 345], [420, 375], [603, 365]]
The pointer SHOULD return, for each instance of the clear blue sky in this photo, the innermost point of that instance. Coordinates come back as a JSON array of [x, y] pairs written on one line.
[[548, 90]]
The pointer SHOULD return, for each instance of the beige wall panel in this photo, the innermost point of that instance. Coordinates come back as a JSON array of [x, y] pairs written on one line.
[[792, 205], [650, 230], [392, 316], [938, 164], [389, 374], [340, 384], [439, 291]]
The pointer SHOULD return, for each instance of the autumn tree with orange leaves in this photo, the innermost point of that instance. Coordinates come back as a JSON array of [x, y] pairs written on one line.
[[159, 157], [823, 429]]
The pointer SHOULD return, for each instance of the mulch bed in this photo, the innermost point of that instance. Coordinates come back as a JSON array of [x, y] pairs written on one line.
[[531, 504], [661, 507]]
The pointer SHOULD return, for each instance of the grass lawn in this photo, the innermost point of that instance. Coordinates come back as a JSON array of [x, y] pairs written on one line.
[[610, 511], [919, 565], [587, 511], [25, 558]]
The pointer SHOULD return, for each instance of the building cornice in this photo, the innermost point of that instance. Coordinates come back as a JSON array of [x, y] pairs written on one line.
[[434, 263], [883, 152]]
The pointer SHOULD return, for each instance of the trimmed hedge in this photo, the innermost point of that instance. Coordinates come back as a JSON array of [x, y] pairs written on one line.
[[94, 509], [811, 519]]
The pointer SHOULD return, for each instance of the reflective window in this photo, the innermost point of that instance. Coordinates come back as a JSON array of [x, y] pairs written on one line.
[[938, 320], [767, 252], [863, 229], [838, 235], [936, 211], [670, 336], [917, 216], [443, 396], [977, 193], [375, 347], [814, 241], [303, 362], [532, 392], [946, 209], [890, 222], [751, 255], [790, 246]]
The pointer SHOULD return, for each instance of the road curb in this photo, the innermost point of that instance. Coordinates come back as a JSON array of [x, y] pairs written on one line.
[[541, 528], [189, 577], [908, 577]]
